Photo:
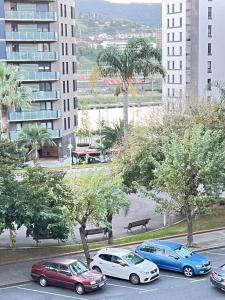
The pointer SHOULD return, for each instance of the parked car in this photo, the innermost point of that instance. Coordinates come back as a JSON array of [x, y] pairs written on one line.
[[175, 257], [217, 277], [124, 264], [67, 273]]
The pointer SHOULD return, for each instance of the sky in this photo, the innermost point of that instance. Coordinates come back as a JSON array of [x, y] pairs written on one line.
[[135, 1]]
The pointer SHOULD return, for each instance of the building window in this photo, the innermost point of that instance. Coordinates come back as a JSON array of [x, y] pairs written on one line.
[[168, 65], [61, 29], [180, 22], [74, 85], [168, 78], [173, 78], [181, 7], [173, 92], [65, 127], [65, 11], [73, 31], [209, 66], [168, 37], [180, 36], [64, 87], [75, 121], [168, 23], [168, 92], [209, 49], [75, 103], [209, 31], [73, 49], [74, 67], [64, 105], [168, 50], [68, 104], [65, 29], [66, 49], [63, 52], [180, 79], [68, 122], [173, 8], [173, 64], [72, 12], [209, 84], [63, 68], [61, 10], [67, 68], [68, 86], [180, 64], [210, 13]]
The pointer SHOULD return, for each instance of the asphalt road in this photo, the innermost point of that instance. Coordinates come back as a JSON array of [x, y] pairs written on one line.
[[170, 285]]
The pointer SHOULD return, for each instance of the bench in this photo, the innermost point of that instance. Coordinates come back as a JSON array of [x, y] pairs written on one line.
[[93, 231], [142, 223]]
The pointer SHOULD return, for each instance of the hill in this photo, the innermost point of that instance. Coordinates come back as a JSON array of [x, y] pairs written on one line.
[[148, 14]]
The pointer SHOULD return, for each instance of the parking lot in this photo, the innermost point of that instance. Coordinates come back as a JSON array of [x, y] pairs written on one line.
[[171, 285]]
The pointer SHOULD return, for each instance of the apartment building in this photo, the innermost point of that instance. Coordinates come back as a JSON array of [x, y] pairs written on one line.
[[193, 50], [38, 36]]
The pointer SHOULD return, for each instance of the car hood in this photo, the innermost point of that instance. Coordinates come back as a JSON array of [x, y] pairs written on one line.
[[146, 266], [197, 259], [220, 272], [91, 275]]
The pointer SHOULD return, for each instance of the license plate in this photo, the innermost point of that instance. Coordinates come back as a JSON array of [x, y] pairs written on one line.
[[101, 284]]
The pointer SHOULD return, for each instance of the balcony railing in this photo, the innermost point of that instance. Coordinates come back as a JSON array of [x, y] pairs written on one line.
[[32, 56], [55, 134], [31, 36], [39, 76], [12, 15], [45, 95], [34, 115]]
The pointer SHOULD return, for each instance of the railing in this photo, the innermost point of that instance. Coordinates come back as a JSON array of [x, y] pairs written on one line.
[[33, 115], [55, 134], [46, 95], [31, 36], [32, 56], [39, 76], [30, 15]]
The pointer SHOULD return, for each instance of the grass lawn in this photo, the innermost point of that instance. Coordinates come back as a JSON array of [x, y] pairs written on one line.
[[214, 220]]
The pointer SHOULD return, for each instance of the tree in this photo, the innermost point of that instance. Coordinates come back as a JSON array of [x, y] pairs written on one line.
[[112, 135], [192, 172], [91, 195], [41, 208], [12, 93], [34, 137], [138, 58]]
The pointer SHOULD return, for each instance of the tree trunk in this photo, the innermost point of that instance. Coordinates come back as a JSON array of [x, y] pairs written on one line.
[[4, 122], [189, 219], [84, 243], [125, 113], [110, 232], [36, 156]]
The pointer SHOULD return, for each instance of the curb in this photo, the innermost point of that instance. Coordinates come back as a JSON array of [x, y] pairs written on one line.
[[15, 284], [120, 245]]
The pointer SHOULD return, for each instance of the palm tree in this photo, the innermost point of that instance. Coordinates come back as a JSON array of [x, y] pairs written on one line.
[[34, 137], [112, 135], [12, 93], [138, 58]]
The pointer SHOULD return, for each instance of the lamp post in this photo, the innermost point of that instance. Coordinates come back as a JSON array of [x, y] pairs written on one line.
[[70, 147]]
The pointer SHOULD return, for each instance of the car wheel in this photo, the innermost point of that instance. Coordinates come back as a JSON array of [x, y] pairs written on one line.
[[188, 271], [43, 281], [134, 279], [79, 288], [97, 269]]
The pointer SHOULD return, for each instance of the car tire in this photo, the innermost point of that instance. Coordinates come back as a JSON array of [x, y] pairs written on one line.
[[188, 271], [79, 288], [97, 269], [43, 281], [134, 279]]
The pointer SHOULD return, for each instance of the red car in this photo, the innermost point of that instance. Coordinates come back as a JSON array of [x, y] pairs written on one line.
[[67, 273]]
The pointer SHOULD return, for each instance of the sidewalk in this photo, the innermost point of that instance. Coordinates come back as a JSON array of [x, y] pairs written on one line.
[[20, 273]]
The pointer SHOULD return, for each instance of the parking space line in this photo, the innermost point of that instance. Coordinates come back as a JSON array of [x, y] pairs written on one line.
[[198, 280], [132, 288], [49, 293], [215, 253], [176, 277]]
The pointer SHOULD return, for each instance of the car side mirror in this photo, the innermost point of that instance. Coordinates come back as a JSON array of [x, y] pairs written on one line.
[[123, 264], [68, 274]]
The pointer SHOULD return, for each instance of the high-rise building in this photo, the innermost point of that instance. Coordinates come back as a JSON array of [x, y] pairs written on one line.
[[38, 36], [193, 50]]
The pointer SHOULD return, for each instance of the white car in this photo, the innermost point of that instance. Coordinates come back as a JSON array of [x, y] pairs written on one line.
[[124, 264]]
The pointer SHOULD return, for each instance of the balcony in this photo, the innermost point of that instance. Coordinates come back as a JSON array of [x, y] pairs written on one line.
[[40, 76], [34, 115], [55, 134], [32, 56], [31, 36], [12, 15], [46, 95]]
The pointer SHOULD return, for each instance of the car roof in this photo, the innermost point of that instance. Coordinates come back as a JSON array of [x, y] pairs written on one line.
[[167, 244], [59, 260], [115, 251]]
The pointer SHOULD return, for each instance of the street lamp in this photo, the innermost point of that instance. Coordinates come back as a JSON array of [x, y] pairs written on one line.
[[70, 147]]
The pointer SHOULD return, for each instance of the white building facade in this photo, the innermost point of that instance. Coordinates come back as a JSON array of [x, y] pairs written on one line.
[[193, 50]]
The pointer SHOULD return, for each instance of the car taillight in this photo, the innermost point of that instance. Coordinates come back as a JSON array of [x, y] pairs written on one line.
[[212, 274]]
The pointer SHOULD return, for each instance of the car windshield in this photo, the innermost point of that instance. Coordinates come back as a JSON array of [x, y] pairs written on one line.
[[78, 268], [133, 259], [183, 252]]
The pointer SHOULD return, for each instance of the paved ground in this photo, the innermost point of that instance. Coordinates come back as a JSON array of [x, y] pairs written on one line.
[[170, 286], [140, 208]]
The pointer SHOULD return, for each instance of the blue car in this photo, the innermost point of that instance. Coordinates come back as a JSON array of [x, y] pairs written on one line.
[[175, 257]]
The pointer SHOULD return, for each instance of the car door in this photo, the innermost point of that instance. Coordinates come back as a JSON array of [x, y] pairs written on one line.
[[51, 272], [120, 268], [104, 263], [172, 261], [64, 277], [151, 253]]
